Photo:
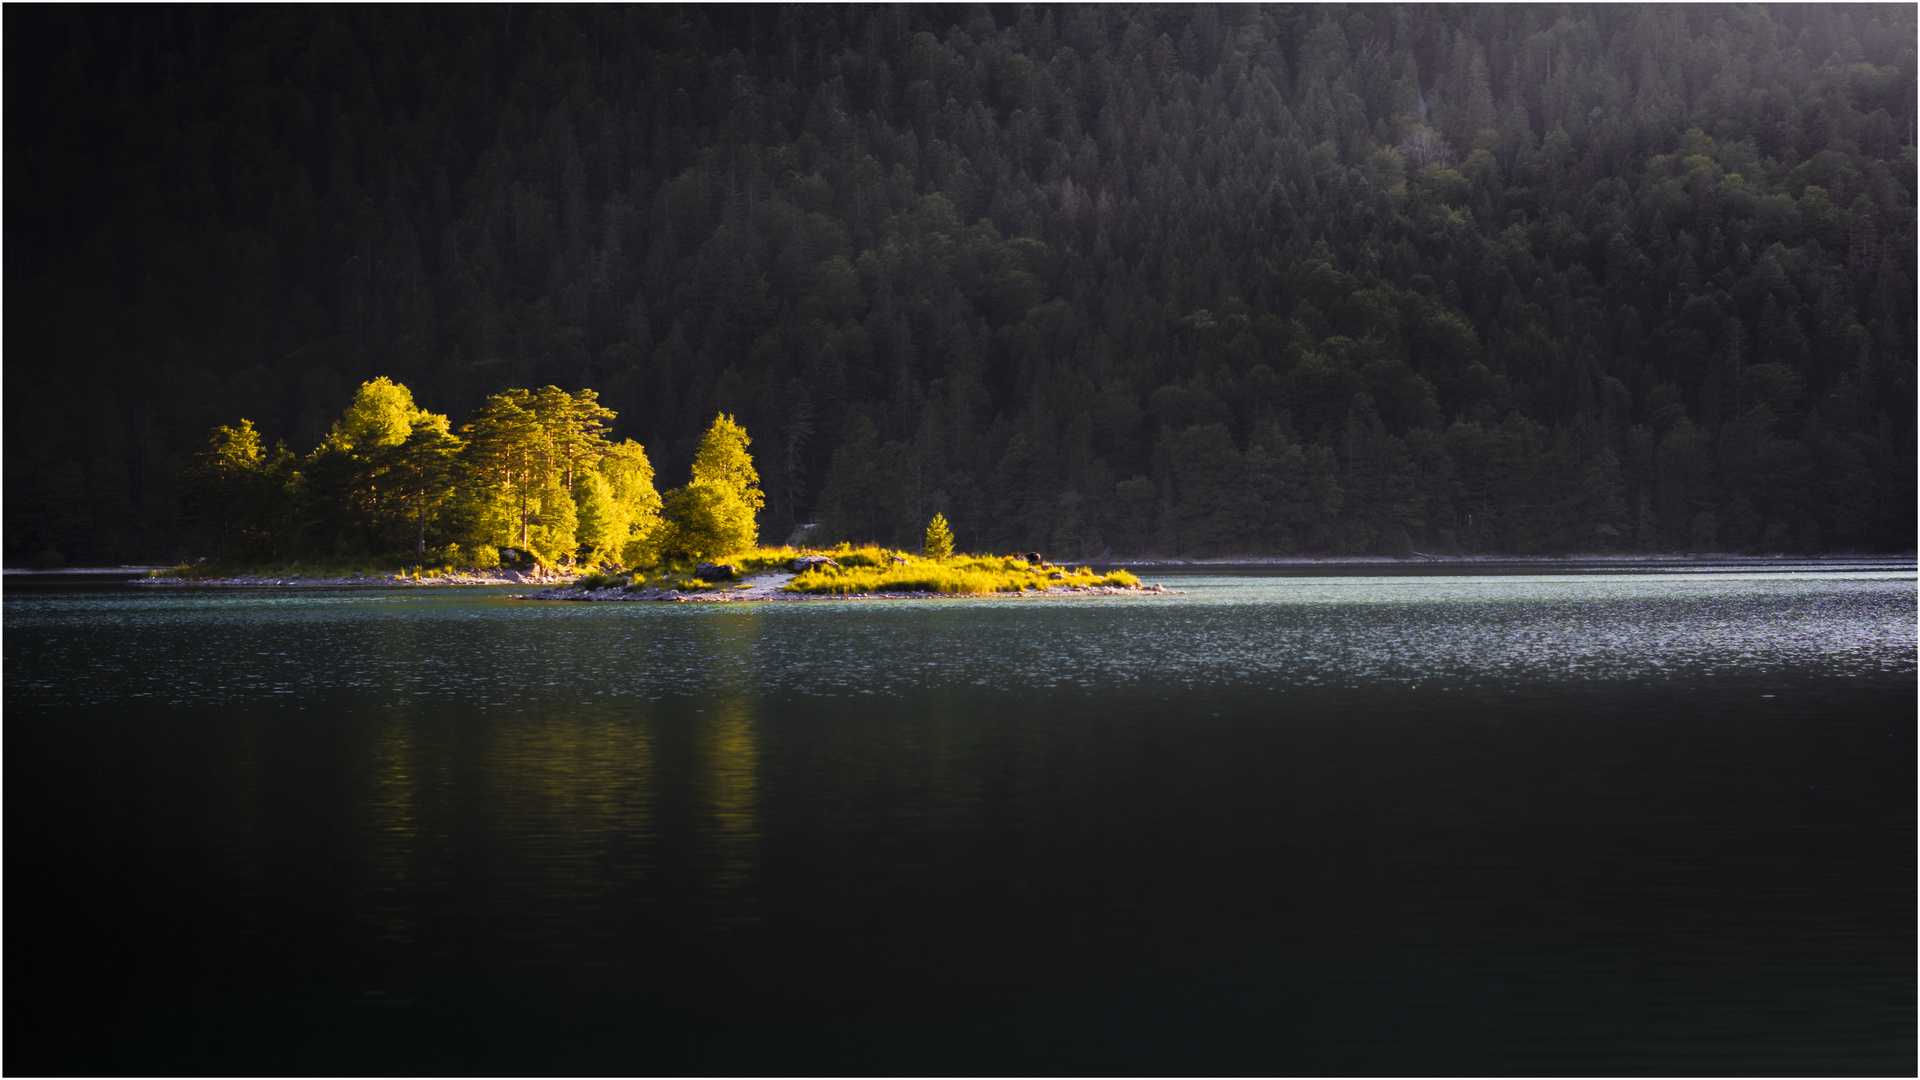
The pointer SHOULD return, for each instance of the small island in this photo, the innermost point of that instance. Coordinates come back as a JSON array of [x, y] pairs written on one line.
[[531, 491], [771, 574]]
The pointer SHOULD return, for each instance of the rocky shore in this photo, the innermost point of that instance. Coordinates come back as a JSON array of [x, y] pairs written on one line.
[[536, 576]]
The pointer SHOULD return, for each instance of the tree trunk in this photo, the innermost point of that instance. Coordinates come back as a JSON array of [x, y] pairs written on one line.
[[523, 514]]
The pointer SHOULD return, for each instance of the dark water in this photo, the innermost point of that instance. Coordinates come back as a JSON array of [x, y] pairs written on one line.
[[1599, 822]]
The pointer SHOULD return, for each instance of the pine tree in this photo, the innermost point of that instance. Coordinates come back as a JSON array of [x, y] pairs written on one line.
[[723, 461], [576, 425], [939, 543], [424, 472], [219, 486], [510, 454]]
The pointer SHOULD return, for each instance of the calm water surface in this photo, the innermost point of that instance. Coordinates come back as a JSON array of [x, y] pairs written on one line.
[[1514, 823]]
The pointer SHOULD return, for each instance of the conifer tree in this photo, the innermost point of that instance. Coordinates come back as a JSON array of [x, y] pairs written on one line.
[[723, 461], [219, 487], [1466, 217], [939, 543], [424, 472], [509, 454], [576, 425]]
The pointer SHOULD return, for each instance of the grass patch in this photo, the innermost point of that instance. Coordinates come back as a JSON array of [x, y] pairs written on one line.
[[881, 570]]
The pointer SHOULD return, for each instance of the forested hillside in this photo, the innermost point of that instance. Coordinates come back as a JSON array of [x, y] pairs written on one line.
[[1190, 280]]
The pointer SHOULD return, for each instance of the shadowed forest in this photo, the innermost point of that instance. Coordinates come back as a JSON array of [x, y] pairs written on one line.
[[1188, 280]]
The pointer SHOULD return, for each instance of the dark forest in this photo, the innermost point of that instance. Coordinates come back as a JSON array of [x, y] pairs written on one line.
[[1094, 281]]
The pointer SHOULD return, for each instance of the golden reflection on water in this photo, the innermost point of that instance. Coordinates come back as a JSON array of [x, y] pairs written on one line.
[[573, 792], [393, 813], [728, 754], [729, 764]]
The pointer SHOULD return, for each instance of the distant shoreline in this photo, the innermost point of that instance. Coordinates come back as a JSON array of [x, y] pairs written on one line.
[[1231, 561]]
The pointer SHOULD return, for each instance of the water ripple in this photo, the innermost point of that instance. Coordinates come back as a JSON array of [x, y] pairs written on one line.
[[1268, 632]]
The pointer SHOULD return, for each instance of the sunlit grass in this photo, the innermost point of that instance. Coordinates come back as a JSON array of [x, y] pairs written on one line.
[[881, 570]]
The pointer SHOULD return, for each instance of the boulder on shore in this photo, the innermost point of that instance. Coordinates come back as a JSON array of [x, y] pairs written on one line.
[[716, 571], [812, 562]]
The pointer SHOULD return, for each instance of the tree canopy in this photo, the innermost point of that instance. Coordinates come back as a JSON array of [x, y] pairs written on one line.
[[1189, 279]]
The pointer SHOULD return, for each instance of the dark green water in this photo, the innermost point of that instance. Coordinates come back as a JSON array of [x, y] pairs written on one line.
[[1601, 822]]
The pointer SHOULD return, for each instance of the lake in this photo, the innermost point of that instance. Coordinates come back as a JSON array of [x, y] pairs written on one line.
[[1594, 819]]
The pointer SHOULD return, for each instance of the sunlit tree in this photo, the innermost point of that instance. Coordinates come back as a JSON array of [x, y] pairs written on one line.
[[424, 472], [220, 485], [939, 538], [510, 455], [716, 514]]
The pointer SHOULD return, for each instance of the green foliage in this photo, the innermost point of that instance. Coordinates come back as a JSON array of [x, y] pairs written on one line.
[[381, 414], [575, 426], [424, 472], [221, 487], [633, 505], [1058, 318], [529, 452], [723, 463], [705, 520], [939, 543], [553, 535], [503, 484], [601, 530], [715, 514]]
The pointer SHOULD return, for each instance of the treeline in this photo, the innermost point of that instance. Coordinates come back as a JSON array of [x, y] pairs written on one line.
[[532, 476], [1192, 279]]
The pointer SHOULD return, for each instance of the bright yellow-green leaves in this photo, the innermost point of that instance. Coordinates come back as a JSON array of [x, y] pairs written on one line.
[[509, 455], [382, 413], [634, 531], [422, 471], [723, 461], [576, 424], [600, 526], [561, 488], [220, 487], [705, 520], [939, 538], [229, 450], [716, 513], [532, 470], [552, 521]]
